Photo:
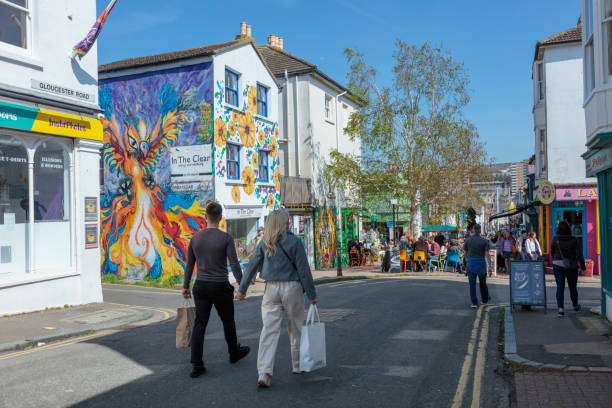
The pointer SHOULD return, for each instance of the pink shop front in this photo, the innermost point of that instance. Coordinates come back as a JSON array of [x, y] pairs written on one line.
[[577, 205]]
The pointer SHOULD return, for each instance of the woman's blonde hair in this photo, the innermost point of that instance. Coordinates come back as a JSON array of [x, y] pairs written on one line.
[[276, 228]]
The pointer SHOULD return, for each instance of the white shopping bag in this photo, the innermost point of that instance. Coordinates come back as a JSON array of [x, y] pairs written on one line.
[[312, 345]]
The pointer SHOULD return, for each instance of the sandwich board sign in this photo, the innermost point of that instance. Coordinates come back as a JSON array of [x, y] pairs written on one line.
[[527, 283]]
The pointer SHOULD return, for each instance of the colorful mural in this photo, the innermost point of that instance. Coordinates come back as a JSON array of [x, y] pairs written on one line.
[[243, 127], [147, 221], [325, 237]]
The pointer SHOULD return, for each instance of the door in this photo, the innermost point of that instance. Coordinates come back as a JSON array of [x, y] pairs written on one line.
[[572, 212]]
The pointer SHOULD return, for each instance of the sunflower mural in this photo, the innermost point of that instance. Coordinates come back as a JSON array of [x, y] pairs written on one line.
[[145, 225], [325, 237]]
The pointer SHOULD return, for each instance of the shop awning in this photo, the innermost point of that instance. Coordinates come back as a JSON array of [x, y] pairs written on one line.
[[513, 211], [438, 228]]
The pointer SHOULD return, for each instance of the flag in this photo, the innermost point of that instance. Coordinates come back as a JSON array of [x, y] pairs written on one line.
[[86, 43]]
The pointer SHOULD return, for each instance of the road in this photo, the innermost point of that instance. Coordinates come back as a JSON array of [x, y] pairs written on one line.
[[390, 343]]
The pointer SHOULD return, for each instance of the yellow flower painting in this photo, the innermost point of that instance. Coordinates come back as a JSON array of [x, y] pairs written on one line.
[[248, 178], [236, 194], [220, 132], [246, 129]]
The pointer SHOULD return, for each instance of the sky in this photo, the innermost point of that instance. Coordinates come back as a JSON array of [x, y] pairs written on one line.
[[495, 40]]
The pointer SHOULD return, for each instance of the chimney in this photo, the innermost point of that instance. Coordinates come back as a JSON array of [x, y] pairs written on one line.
[[275, 41], [243, 29], [248, 31], [280, 42]]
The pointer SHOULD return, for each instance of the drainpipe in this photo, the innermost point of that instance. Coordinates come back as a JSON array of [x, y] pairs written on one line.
[[297, 128]]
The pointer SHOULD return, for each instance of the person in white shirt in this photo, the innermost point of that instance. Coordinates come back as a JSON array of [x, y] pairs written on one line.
[[532, 247]]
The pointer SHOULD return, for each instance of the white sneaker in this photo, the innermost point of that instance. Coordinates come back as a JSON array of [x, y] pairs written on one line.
[[264, 380], [474, 306]]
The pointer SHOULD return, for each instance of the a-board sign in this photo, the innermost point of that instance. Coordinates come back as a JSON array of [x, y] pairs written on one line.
[[527, 283]]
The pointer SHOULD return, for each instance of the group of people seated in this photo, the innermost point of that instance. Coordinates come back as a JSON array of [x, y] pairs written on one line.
[[360, 252], [433, 247]]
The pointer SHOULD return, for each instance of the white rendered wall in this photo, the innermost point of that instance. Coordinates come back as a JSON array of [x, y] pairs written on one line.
[[55, 26], [565, 122], [246, 62]]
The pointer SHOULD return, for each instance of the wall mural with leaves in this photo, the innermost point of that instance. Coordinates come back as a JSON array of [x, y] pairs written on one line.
[[146, 221], [325, 237]]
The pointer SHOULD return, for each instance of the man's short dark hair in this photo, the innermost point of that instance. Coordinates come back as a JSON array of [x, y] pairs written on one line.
[[214, 212], [477, 229]]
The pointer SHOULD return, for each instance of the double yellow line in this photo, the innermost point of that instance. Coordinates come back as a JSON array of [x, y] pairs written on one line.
[[480, 360], [167, 313]]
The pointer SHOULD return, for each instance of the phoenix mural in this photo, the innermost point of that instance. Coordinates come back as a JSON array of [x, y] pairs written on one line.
[[146, 227]]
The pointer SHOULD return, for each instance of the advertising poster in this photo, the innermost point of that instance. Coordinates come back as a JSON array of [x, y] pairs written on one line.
[[91, 209], [91, 236]]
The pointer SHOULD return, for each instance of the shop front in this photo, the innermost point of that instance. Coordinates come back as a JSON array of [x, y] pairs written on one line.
[[242, 224], [49, 200], [598, 162], [301, 225], [576, 205]]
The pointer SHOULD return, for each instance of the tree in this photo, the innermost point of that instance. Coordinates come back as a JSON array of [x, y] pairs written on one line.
[[416, 145]]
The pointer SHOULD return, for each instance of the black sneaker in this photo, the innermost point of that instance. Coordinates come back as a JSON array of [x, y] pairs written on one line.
[[197, 371], [240, 354], [560, 314], [577, 308]]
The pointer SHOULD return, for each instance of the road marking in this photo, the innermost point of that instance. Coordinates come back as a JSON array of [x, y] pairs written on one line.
[[467, 362], [409, 334], [480, 361], [168, 313]]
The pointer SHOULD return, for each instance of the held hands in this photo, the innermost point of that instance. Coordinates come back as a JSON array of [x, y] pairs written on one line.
[[186, 293], [313, 302], [240, 296]]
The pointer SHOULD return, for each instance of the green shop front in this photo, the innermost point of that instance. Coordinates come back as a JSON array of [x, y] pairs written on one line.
[[598, 160]]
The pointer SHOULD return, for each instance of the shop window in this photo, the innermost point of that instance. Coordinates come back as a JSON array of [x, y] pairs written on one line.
[[13, 206], [14, 22], [52, 229], [243, 231]]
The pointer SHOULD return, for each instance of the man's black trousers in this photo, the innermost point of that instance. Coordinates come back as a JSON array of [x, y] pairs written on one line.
[[205, 295]]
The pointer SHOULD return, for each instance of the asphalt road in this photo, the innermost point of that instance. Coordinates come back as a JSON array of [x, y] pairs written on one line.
[[390, 343]]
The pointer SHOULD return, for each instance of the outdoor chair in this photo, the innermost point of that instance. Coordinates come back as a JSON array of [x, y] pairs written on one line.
[[437, 263], [419, 256], [452, 257], [354, 256], [403, 260]]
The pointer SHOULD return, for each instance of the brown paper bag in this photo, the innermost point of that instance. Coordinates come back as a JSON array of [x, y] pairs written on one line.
[[185, 319]]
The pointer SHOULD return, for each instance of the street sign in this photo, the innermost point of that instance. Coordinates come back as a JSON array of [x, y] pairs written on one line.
[[389, 223]]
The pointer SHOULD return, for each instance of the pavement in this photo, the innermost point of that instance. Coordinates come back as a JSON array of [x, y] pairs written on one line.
[[390, 343]]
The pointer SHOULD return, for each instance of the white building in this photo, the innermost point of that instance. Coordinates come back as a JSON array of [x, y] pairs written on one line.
[[565, 190], [597, 51], [314, 111], [49, 152], [218, 106]]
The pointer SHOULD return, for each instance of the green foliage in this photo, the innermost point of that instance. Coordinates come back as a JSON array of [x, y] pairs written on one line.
[[416, 144]]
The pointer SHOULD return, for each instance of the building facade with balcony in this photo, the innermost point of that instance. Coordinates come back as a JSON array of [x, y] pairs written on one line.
[[183, 128], [50, 139], [597, 99], [564, 188], [314, 110]]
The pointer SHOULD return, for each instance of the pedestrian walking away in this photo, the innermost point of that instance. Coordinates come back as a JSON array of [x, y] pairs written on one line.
[[284, 267], [476, 248], [567, 257], [211, 248]]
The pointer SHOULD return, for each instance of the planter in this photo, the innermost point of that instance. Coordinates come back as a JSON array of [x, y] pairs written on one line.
[[589, 267]]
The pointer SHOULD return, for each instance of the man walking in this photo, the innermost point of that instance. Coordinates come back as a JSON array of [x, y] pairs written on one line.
[[211, 248], [476, 248]]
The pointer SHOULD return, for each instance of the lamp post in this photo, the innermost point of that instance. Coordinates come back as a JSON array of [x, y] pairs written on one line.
[[331, 197], [393, 204]]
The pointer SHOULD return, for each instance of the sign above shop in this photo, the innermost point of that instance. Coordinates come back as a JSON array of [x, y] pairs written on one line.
[[598, 162], [193, 160], [63, 91], [546, 192], [244, 212], [50, 122], [587, 193]]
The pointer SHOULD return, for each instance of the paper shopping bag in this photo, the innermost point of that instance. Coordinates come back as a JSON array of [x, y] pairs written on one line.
[[312, 344], [185, 319]]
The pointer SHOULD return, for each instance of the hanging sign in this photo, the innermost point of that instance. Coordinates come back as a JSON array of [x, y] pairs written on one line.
[[545, 192]]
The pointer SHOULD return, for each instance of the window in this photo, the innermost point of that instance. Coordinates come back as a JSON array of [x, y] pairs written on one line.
[[263, 166], [233, 161], [540, 81], [328, 107], [607, 38], [542, 141], [262, 100], [13, 206], [14, 22], [52, 231], [589, 56], [231, 87]]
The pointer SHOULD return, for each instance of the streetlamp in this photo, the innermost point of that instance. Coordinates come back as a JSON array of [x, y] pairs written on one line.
[[331, 197], [393, 204]]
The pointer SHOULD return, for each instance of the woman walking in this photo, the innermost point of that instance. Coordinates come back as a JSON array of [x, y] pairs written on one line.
[[533, 249], [567, 256], [284, 267], [508, 249]]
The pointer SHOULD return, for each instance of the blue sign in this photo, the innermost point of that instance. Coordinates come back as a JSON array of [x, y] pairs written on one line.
[[390, 223]]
